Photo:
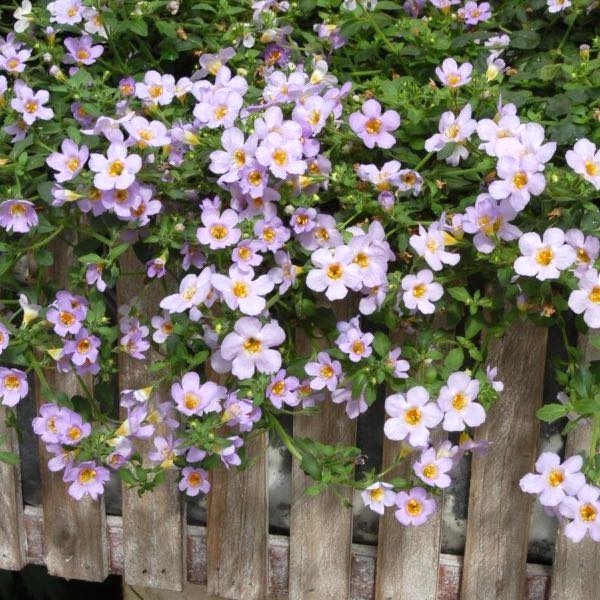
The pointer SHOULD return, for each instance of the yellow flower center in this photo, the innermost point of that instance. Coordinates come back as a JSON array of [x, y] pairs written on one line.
[[252, 346], [414, 507], [72, 11], [189, 293], [520, 180], [326, 372], [244, 253], [31, 107], [419, 290], [413, 416], [13, 63], [194, 479], [377, 494], [73, 164], [239, 158], [191, 400], [221, 112], [588, 513], [591, 168], [583, 256], [278, 388], [430, 471], [74, 433], [322, 234], [544, 257], [335, 271], [432, 245], [82, 54], [460, 401], [373, 126], [556, 477], [453, 79], [255, 178], [409, 178], [453, 131], [314, 118], [240, 289], [83, 346], [155, 91], [87, 475], [362, 260], [51, 424], [219, 231], [269, 234], [594, 295], [280, 157], [358, 347], [116, 168], [302, 219], [67, 318], [12, 382], [16, 210]]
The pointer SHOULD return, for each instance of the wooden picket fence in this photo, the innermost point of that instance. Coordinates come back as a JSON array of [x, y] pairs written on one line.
[[235, 557]]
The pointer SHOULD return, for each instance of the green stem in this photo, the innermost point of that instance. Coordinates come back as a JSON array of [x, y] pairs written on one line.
[[285, 438], [46, 240], [424, 161]]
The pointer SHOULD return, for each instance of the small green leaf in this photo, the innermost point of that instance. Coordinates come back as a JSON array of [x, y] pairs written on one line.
[[552, 412]]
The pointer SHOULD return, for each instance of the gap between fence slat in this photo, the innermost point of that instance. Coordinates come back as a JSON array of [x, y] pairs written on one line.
[[12, 532], [320, 526], [575, 573], [154, 524], [74, 531], [499, 513]]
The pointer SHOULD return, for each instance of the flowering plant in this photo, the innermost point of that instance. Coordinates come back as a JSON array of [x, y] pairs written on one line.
[[431, 165]]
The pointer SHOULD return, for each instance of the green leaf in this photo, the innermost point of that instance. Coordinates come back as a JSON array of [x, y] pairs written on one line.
[[552, 412], [381, 344], [9, 457], [454, 359], [460, 294]]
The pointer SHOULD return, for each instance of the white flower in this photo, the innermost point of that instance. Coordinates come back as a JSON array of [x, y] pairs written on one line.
[[420, 291], [457, 400], [544, 258], [586, 299], [23, 16], [379, 495]]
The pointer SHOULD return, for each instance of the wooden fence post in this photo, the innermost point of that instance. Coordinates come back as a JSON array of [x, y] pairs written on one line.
[[499, 513], [153, 524], [576, 572], [74, 531]]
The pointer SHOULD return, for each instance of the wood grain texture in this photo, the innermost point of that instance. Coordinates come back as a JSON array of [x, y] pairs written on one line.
[[407, 557], [238, 528], [74, 531], [576, 575], [499, 513], [321, 526], [12, 530], [153, 525]]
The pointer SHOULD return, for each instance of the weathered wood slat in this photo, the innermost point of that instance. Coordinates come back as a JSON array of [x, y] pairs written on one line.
[[12, 532], [320, 526], [238, 524], [499, 513], [238, 528], [407, 557], [154, 525], [74, 531], [575, 573]]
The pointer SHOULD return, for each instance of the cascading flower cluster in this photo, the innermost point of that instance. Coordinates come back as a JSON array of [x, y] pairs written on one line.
[[309, 246]]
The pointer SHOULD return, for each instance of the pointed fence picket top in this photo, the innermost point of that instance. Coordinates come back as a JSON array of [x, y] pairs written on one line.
[[74, 531], [499, 513], [153, 524], [576, 573]]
